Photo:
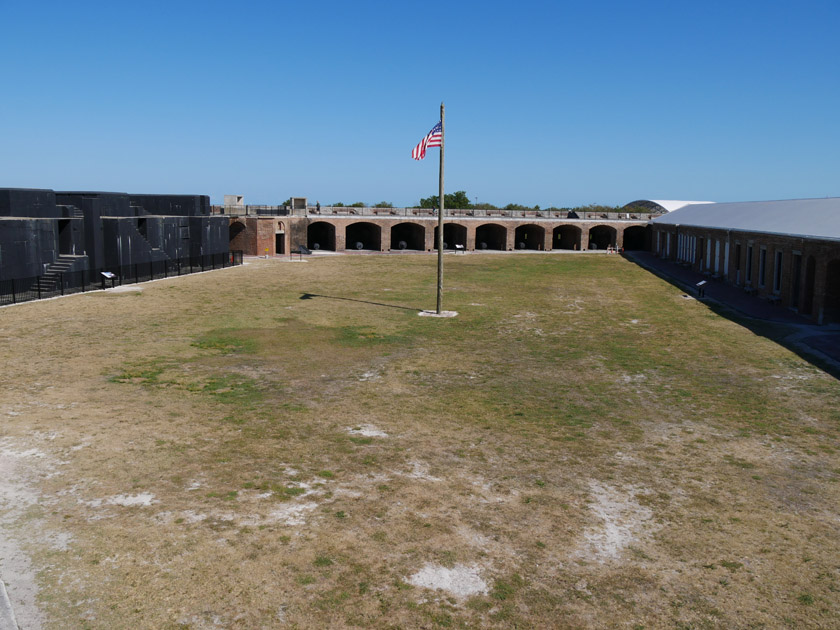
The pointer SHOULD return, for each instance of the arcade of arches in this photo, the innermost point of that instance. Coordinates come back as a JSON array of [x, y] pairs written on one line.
[[270, 235]]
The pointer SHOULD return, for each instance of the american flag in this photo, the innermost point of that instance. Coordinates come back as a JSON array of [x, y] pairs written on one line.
[[432, 139]]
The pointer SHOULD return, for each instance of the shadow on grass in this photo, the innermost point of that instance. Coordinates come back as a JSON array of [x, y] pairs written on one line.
[[311, 296], [787, 335]]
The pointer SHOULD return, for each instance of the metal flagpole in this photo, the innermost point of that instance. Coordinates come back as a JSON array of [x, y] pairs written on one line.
[[440, 218]]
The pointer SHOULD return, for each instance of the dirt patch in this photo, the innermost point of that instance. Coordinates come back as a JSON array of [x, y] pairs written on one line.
[[460, 581], [17, 498], [623, 521], [367, 430]]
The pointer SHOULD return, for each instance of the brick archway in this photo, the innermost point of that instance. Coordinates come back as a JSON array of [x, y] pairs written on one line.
[[408, 236], [566, 237], [529, 237], [453, 234], [320, 235], [601, 237], [363, 235], [635, 237], [491, 236]]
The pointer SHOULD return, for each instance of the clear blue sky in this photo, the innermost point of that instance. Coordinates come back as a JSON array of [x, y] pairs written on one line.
[[550, 103]]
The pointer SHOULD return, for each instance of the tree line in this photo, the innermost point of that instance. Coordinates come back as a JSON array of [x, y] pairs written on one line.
[[460, 201]]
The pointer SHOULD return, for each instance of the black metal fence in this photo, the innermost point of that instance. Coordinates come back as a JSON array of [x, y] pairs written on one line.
[[40, 287]]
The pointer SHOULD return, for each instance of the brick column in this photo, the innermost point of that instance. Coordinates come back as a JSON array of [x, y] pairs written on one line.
[[547, 241], [470, 244], [510, 241], [340, 236]]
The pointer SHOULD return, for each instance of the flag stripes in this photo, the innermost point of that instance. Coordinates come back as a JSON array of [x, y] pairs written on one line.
[[432, 139]]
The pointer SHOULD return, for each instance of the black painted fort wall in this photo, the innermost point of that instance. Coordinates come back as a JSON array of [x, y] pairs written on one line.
[[97, 230], [28, 202]]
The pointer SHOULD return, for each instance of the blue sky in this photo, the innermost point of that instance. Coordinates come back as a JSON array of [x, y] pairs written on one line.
[[550, 103]]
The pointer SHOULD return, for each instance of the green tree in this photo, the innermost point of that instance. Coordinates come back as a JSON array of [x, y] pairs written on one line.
[[384, 204], [457, 200]]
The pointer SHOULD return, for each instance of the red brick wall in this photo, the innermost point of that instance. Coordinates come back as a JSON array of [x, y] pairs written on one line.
[[797, 289]]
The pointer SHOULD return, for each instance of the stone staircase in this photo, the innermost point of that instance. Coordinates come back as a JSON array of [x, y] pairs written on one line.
[[156, 250], [52, 276]]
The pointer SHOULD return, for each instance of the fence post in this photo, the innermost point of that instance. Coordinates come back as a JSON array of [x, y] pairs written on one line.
[[14, 297], [165, 269], [61, 280], [38, 285]]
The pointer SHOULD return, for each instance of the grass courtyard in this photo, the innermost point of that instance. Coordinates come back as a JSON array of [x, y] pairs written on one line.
[[290, 445]]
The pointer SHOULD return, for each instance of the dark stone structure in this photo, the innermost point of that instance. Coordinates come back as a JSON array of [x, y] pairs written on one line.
[[46, 231]]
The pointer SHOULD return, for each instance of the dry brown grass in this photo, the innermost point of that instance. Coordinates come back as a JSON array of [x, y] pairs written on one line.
[[601, 451]]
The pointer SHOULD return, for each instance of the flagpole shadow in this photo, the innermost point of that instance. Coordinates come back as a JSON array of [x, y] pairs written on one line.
[[310, 296]]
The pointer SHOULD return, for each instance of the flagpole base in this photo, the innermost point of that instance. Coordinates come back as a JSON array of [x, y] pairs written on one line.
[[436, 314]]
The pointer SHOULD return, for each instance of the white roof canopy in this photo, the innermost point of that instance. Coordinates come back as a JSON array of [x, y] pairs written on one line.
[[661, 205], [814, 218]]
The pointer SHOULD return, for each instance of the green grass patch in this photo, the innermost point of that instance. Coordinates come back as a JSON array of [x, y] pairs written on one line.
[[226, 341]]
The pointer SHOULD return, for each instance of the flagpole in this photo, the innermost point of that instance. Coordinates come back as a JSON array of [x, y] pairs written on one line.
[[440, 218]]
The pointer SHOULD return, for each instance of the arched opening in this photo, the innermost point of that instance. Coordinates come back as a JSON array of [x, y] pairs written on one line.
[[529, 237], [808, 289], [601, 237], [363, 236], [491, 236], [280, 238], [453, 234], [320, 235], [634, 238], [831, 308], [566, 237], [408, 236], [236, 236]]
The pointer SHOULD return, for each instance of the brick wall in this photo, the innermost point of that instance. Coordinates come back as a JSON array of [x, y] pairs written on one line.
[[794, 271]]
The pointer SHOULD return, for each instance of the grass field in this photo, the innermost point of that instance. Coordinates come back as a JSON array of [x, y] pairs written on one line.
[[290, 445]]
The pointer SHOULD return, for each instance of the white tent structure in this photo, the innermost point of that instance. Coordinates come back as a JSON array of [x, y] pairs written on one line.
[[661, 206]]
